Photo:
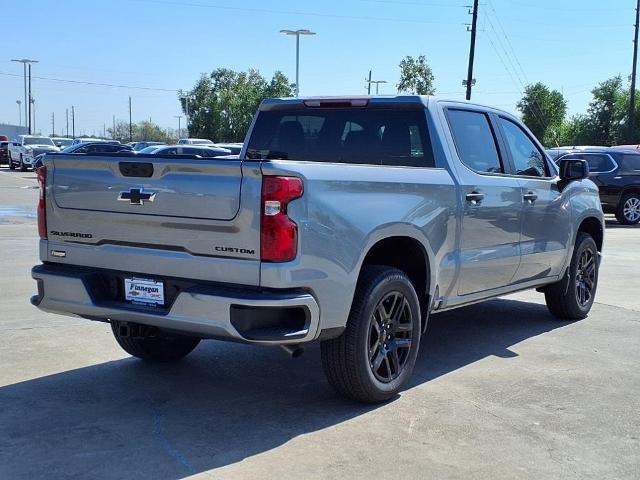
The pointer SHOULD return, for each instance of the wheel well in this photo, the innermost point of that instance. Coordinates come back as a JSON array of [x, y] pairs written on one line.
[[593, 227], [406, 254]]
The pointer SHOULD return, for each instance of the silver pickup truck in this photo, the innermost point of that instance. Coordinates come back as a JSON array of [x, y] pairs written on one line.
[[343, 221]]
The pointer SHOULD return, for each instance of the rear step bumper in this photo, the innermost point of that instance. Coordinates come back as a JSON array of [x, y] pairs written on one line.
[[204, 310]]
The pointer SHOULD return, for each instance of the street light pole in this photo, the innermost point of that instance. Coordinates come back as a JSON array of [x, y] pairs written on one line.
[[19, 112], [297, 33], [32, 127], [27, 101], [377, 83], [25, 62], [178, 117]]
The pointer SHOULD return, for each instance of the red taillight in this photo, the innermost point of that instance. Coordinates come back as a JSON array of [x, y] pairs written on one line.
[[41, 173], [279, 234]]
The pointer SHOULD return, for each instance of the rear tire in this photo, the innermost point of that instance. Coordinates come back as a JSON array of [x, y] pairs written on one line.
[[628, 212], [152, 344], [374, 357], [571, 298]]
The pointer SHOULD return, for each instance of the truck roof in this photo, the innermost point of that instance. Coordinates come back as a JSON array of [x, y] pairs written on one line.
[[381, 101]]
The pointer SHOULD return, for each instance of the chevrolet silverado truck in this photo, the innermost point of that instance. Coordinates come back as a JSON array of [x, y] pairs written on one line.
[[346, 221], [26, 148]]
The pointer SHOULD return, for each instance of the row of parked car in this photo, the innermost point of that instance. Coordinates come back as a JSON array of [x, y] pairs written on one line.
[[615, 170], [23, 151]]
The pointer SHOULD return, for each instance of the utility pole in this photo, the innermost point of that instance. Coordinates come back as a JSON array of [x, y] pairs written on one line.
[[73, 121], [130, 124], [472, 48], [67, 115], [19, 112], [632, 96], [369, 84], [113, 132], [104, 130], [53, 124]]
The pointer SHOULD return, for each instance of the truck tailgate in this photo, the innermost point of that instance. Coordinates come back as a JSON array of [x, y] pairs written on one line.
[[155, 213]]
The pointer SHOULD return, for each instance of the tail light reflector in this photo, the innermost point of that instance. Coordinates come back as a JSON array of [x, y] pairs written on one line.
[[279, 234]]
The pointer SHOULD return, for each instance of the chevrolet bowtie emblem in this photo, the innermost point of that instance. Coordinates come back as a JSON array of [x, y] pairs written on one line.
[[137, 196]]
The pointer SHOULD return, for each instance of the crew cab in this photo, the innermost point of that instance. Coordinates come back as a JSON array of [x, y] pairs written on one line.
[[344, 221], [26, 148]]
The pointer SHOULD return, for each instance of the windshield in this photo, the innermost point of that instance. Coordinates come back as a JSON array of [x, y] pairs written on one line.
[[38, 141], [65, 142], [150, 149], [72, 148]]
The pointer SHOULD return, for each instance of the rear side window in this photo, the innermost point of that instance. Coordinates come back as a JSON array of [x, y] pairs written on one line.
[[631, 163], [356, 135], [598, 163], [475, 141], [527, 158]]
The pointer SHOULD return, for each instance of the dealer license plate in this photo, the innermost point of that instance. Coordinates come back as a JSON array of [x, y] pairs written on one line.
[[143, 291]]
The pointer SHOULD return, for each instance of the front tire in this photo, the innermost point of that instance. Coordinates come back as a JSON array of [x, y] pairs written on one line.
[[11, 165], [572, 297], [374, 357], [152, 344], [628, 212], [23, 168]]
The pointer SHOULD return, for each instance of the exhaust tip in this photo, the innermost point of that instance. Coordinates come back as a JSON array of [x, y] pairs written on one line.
[[294, 351]]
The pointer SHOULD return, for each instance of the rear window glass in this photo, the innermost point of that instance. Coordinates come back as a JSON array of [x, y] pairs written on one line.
[[597, 162], [475, 141], [358, 136], [631, 163]]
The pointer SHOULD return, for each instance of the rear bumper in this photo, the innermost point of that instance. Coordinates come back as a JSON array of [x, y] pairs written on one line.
[[198, 309]]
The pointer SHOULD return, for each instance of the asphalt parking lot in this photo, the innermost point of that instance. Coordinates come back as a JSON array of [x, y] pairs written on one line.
[[501, 390]]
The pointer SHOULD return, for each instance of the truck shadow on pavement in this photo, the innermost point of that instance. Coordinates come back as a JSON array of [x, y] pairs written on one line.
[[224, 403]]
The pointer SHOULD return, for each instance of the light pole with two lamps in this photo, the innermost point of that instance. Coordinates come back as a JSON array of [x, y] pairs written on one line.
[[297, 33]]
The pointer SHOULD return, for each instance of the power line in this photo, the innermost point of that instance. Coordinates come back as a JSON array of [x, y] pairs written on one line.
[[504, 33], [421, 4], [536, 109], [292, 12], [97, 84]]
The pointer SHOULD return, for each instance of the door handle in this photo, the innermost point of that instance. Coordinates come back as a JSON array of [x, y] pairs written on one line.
[[474, 198], [530, 197]]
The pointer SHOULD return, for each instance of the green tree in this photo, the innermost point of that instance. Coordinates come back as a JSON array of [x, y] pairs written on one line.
[[605, 113], [144, 130], [222, 104], [575, 131], [416, 76], [543, 111]]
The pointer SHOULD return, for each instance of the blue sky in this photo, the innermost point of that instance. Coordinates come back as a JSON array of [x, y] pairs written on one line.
[[165, 45]]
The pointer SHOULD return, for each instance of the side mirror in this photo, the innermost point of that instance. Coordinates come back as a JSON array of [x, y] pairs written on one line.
[[574, 169]]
